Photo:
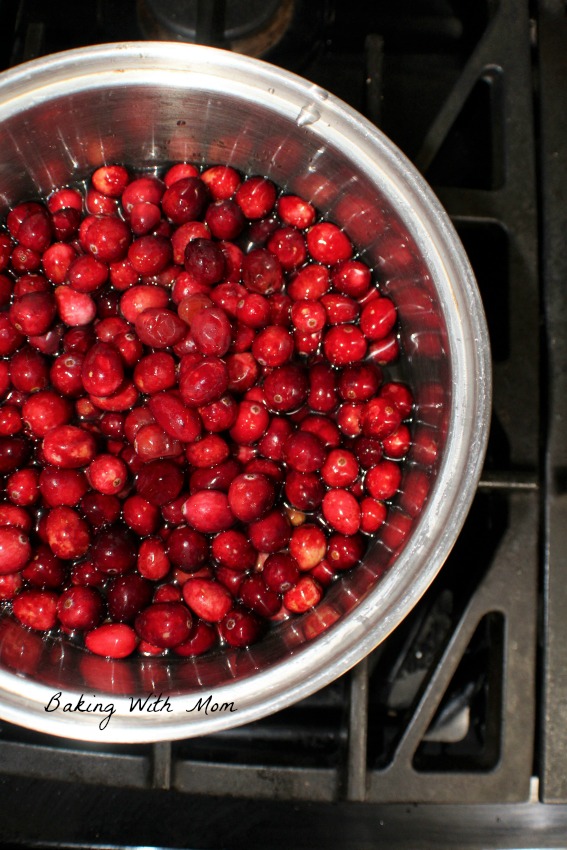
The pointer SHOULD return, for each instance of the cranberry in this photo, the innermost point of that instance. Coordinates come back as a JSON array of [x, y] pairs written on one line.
[[102, 371], [126, 596], [113, 551], [304, 491], [304, 595], [201, 638], [251, 422], [380, 418], [211, 331], [208, 511], [270, 533], [208, 599], [15, 549], [308, 545], [36, 609], [178, 172], [160, 482], [14, 453], [342, 511], [273, 346], [280, 571], [80, 607], [147, 189], [372, 515], [250, 496], [176, 419], [107, 474], [262, 272], [232, 549], [69, 447], [258, 597], [383, 480], [185, 200], [240, 628], [378, 318], [256, 197], [108, 239], [187, 549], [153, 562], [221, 180], [204, 382], [286, 388], [68, 534], [345, 552], [296, 211], [304, 452], [100, 509], [216, 478], [22, 487], [112, 640], [164, 624]]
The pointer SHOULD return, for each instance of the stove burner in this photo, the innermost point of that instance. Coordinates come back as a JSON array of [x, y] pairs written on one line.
[[253, 27]]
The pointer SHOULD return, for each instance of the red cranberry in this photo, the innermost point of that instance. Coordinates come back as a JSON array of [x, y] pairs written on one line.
[[80, 607], [250, 496], [262, 272], [273, 346], [251, 422], [305, 595], [308, 545], [383, 480], [112, 640], [202, 637], [153, 562], [286, 388], [211, 331], [160, 482], [378, 319], [15, 549], [232, 549], [205, 382], [296, 211], [36, 609], [304, 452], [256, 197], [68, 534], [69, 446], [185, 200], [258, 597], [342, 511], [176, 419], [208, 511], [208, 599], [164, 624], [270, 533]]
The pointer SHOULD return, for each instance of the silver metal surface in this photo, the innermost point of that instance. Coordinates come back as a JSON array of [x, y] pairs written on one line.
[[146, 104]]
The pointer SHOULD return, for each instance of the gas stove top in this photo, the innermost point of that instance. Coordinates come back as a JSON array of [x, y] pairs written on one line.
[[450, 734]]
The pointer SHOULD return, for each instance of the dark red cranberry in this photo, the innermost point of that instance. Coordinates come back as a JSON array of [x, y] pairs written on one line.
[[258, 597], [240, 627], [126, 596], [262, 272], [280, 572], [160, 482], [187, 549], [114, 550]]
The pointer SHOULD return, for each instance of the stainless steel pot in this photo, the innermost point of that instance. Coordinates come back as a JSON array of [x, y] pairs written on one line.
[[149, 103]]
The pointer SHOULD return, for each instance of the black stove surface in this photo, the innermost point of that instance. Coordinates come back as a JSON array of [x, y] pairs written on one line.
[[452, 733]]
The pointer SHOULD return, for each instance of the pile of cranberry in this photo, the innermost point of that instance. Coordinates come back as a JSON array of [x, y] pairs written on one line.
[[196, 432]]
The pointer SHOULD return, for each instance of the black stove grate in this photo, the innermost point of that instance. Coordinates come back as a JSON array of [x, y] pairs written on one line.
[[462, 704]]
